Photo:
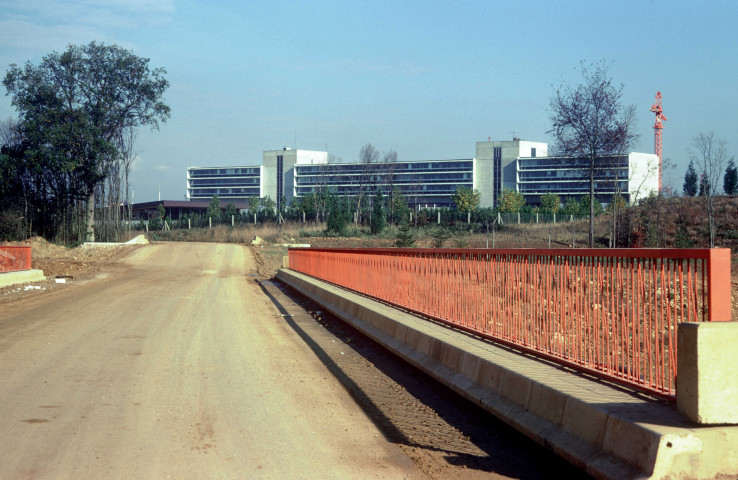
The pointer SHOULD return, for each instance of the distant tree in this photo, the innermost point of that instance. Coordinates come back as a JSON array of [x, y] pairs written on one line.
[[571, 206], [398, 206], [690, 181], [368, 157], [590, 124], [710, 154], [230, 212], [338, 216], [586, 209], [466, 199], [214, 208], [405, 237], [704, 186], [378, 220], [730, 179], [510, 201], [550, 203], [617, 203]]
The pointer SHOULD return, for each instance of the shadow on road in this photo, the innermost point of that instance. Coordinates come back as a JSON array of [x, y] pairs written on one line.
[[410, 408]]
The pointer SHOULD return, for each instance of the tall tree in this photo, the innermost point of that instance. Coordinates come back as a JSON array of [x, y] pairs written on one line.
[[710, 154], [378, 220], [99, 90], [730, 179], [591, 125], [690, 181], [511, 201]]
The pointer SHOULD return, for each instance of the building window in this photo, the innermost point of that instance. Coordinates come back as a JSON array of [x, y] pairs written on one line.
[[497, 174], [532, 152], [280, 181]]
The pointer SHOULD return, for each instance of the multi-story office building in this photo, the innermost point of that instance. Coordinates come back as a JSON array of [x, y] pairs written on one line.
[[235, 184], [516, 164], [431, 182]]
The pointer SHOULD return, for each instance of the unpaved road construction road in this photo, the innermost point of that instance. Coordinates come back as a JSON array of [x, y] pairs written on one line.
[[177, 363]]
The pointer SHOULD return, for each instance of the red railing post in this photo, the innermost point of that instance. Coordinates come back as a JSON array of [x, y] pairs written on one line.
[[718, 271]]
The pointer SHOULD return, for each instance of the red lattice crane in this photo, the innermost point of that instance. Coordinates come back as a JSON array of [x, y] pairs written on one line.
[[657, 146]]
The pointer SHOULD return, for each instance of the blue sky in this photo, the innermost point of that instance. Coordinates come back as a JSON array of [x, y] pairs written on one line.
[[425, 79]]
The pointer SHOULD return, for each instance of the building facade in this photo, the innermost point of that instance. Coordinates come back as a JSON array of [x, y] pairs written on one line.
[[516, 164], [230, 184]]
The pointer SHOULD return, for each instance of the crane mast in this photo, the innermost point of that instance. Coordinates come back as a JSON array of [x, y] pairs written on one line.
[[657, 128]]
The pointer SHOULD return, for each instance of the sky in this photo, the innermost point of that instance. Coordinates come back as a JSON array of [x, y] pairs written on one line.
[[426, 79]]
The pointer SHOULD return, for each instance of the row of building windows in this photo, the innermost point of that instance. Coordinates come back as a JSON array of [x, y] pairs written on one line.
[[219, 172], [572, 187], [224, 182], [209, 192], [383, 168], [382, 180]]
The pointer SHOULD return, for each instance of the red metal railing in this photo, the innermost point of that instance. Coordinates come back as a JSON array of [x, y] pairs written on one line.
[[609, 312], [14, 258]]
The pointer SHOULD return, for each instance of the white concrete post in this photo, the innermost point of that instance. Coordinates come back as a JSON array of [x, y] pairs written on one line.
[[439, 216], [210, 222], [233, 220], [189, 223]]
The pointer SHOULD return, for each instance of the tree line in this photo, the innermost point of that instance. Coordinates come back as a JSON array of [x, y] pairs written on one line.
[[68, 155]]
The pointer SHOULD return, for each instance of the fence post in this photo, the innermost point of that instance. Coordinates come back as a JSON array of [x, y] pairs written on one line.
[[518, 218], [439, 215], [718, 273], [536, 217], [254, 219], [554, 221], [303, 217], [189, 224], [233, 220], [210, 222], [468, 217]]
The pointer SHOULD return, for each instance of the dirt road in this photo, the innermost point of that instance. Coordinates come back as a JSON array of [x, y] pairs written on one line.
[[175, 365]]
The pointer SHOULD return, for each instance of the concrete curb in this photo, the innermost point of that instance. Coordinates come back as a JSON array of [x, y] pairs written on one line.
[[605, 430], [24, 276]]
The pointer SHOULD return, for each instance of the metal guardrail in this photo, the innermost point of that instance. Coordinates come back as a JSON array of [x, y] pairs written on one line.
[[14, 258], [611, 312]]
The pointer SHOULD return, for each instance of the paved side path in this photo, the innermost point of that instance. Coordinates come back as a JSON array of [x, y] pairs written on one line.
[[174, 366]]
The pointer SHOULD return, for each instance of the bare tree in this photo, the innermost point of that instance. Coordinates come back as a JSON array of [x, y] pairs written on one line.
[[128, 155], [389, 165], [9, 133], [709, 154], [368, 156], [591, 125]]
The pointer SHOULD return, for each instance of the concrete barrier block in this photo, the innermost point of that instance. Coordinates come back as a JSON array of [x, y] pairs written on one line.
[[490, 375], [547, 403], [707, 383], [641, 448], [516, 388], [469, 365], [584, 421], [450, 355]]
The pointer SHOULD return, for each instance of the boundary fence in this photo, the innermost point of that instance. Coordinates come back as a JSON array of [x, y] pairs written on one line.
[[14, 258], [611, 312]]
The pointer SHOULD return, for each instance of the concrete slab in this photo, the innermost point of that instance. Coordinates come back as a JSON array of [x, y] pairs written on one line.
[[25, 276], [605, 429]]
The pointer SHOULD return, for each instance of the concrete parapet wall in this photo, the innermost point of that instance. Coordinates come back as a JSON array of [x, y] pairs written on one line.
[[25, 276], [605, 430]]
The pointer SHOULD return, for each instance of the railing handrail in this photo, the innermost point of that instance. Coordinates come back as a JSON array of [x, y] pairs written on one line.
[[680, 253]]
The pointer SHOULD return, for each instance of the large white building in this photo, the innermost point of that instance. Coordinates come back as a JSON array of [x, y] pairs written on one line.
[[515, 164]]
